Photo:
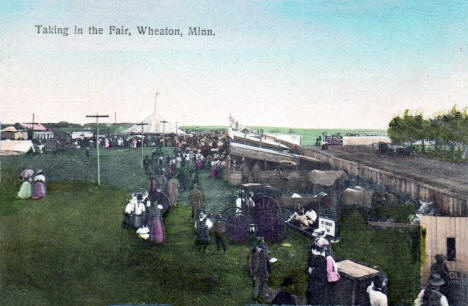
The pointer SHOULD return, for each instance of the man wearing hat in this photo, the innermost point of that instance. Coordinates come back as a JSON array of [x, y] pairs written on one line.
[[431, 295], [202, 227], [152, 188], [440, 267], [196, 199], [146, 162], [258, 267]]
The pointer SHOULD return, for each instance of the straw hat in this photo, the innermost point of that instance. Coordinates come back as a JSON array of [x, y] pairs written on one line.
[[436, 280]]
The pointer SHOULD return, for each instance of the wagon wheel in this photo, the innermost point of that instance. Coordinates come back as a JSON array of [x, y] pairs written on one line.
[[267, 216], [237, 227], [270, 226], [265, 204], [232, 210]]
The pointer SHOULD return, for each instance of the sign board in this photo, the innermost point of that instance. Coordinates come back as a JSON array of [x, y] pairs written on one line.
[[328, 225]]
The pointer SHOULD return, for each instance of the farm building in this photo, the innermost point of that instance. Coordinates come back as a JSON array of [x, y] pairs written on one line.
[[12, 133], [446, 236], [37, 131]]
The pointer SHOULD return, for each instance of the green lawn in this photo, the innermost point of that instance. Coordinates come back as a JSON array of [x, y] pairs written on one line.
[[119, 167], [69, 249]]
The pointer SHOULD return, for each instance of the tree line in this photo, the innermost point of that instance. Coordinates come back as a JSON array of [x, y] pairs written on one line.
[[445, 130]]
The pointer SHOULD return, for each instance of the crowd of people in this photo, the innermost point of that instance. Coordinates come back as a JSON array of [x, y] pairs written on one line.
[[170, 174], [144, 213]]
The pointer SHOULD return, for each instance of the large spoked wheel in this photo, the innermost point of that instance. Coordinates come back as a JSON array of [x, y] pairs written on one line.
[[268, 217], [237, 227], [230, 211]]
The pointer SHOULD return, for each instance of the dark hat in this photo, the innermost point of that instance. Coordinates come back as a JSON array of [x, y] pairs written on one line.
[[287, 281], [139, 196], [439, 258]]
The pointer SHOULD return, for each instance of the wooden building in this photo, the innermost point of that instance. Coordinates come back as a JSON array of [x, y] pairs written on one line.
[[14, 134], [447, 236], [37, 131]]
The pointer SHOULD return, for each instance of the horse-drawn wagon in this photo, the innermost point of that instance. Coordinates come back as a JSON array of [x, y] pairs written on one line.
[[262, 210], [257, 212]]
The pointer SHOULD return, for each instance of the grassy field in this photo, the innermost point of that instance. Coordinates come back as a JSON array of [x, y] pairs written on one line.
[[119, 167], [69, 249], [65, 251]]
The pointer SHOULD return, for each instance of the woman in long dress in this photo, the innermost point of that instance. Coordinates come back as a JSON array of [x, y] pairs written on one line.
[[39, 186], [173, 191], [25, 190], [157, 228], [317, 289]]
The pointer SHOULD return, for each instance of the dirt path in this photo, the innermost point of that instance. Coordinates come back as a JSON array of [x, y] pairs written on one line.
[[453, 176]]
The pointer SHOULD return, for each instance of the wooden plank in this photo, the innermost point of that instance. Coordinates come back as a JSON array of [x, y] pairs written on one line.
[[393, 225], [355, 270]]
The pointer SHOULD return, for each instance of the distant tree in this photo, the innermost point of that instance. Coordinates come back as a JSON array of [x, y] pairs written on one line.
[[398, 129], [434, 132], [445, 128], [419, 129]]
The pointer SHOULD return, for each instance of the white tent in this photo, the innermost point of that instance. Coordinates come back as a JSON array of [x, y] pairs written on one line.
[[154, 125], [13, 147]]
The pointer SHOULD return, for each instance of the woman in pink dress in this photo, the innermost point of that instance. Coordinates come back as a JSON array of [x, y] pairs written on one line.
[[157, 228], [39, 186]]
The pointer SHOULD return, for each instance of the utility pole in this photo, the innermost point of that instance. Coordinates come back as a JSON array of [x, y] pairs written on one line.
[[164, 122], [142, 141], [97, 116], [32, 128], [115, 124]]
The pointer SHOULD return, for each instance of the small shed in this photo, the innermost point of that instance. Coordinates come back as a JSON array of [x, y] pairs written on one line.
[[14, 134], [352, 287]]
